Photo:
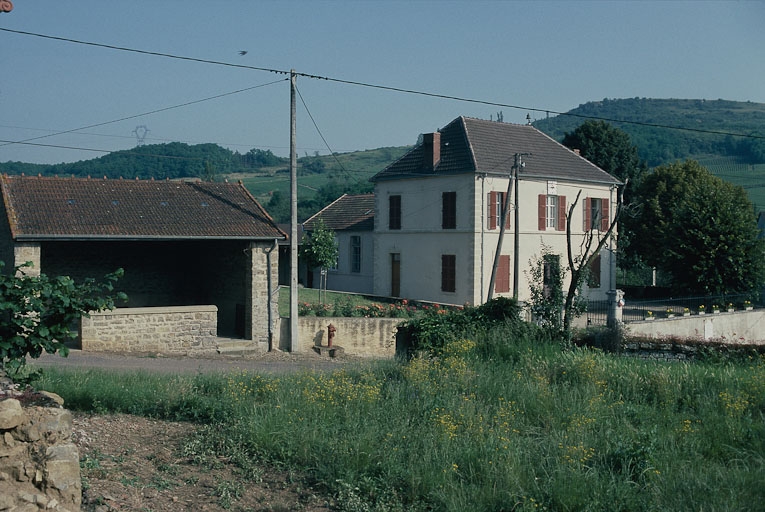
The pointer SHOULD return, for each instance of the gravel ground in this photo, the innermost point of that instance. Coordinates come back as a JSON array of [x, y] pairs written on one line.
[[268, 362]]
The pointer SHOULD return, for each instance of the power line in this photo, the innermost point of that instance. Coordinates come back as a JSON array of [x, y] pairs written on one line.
[[144, 52], [186, 104], [381, 87], [332, 153]]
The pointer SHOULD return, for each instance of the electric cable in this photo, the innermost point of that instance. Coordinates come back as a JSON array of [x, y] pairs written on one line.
[[377, 86]]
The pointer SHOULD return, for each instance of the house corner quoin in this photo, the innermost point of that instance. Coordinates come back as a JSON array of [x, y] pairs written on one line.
[[262, 303]]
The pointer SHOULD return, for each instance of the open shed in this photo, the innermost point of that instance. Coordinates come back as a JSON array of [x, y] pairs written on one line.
[[180, 243]]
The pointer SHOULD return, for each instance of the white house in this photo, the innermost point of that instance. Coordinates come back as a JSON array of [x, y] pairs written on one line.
[[438, 212], [351, 217]]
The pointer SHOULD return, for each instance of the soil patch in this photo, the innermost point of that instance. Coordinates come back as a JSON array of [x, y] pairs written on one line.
[[135, 463]]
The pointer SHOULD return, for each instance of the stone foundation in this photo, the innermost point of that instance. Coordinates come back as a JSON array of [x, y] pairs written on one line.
[[39, 463]]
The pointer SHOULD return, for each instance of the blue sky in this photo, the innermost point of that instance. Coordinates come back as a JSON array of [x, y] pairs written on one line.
[[544, 55]]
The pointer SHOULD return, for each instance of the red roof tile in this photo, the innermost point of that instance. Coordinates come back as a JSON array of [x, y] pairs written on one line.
[[40, 208]]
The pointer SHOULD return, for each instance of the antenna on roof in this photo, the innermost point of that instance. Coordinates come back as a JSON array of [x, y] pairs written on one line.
[[528, 119], [140, 133]]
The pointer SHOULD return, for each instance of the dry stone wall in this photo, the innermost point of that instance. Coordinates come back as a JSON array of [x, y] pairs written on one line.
[[173, 330], [39, 463]]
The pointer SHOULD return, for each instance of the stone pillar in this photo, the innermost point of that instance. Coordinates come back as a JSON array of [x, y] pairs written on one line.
[[258, 303], [615, 307], [27, 252]]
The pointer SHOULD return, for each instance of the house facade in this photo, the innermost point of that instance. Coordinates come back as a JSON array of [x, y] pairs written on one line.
[[351, 217], [438, 213], [179, 243]]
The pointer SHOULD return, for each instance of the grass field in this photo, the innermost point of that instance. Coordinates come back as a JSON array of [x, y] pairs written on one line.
[[493, 423], [354, 167], [311, 295]]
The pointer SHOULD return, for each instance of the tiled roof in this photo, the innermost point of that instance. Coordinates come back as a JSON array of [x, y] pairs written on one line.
[[76, 208], [478, 146], [347, 213]]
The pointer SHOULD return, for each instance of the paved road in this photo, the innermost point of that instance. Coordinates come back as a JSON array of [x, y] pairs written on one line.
[[272, 362]]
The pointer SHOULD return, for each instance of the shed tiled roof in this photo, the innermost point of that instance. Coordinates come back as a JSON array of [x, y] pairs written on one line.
[[347, 213], [478, 146], [40, 208]]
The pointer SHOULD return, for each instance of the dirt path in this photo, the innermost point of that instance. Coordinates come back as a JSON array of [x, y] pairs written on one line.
[[269, 362]]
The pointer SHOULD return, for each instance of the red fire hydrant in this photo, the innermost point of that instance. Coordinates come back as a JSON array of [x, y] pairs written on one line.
[[331, 329]]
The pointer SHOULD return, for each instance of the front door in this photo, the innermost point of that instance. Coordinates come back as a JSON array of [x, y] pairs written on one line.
[[395, 274]]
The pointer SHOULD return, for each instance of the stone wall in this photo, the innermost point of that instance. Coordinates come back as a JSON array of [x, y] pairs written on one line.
[[363, 337], [172, 330], [39, 463], [734, 327], [683, 350]]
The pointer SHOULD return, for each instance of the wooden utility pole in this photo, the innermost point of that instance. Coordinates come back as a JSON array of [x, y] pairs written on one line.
[[502, 221], [293, 221], [516, 229], [513, 180]]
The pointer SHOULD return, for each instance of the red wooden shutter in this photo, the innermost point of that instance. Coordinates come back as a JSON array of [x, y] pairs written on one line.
[[561, 213], [587, 215], [604, 217], [542, 210], [502, 283], [492, 212]]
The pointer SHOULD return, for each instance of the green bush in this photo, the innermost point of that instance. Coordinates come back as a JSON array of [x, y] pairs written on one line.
[[37, 312], [436, 327]]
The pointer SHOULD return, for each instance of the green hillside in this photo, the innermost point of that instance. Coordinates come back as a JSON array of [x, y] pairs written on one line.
[[734, 170], [662, 145], [739, 160]]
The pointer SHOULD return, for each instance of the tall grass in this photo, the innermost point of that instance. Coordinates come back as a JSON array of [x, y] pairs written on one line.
[[493, 423]]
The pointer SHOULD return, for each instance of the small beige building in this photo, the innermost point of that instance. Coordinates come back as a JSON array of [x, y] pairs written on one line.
[[181, 244], [351, 217], [438, 212]]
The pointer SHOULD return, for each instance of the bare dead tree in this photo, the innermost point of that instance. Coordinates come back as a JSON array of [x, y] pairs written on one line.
[[579, 265]]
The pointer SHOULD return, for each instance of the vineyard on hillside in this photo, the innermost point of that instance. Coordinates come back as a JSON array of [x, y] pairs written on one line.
[[749, 176]]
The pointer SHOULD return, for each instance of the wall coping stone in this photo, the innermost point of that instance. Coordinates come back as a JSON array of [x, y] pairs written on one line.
[[157, 310]]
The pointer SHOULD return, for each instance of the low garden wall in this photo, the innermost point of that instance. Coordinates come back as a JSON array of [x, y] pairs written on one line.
[[734, 327], [363, 337], [172, 330]]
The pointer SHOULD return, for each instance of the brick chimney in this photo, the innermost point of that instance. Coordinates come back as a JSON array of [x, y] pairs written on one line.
[[431, 146]]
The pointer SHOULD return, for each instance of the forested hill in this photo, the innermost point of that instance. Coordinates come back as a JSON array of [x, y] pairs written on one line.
[[661, 145], [159, 161], [205, 161]]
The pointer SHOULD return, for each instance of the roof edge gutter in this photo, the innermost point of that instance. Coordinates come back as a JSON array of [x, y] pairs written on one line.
[[133, 238]]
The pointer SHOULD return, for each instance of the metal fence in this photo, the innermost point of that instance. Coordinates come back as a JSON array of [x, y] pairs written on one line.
[[597, 311]]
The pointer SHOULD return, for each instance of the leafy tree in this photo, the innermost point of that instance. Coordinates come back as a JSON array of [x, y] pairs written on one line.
[[607, 147], [37, 312], [320, 248], [546, 288], [700, 229]]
